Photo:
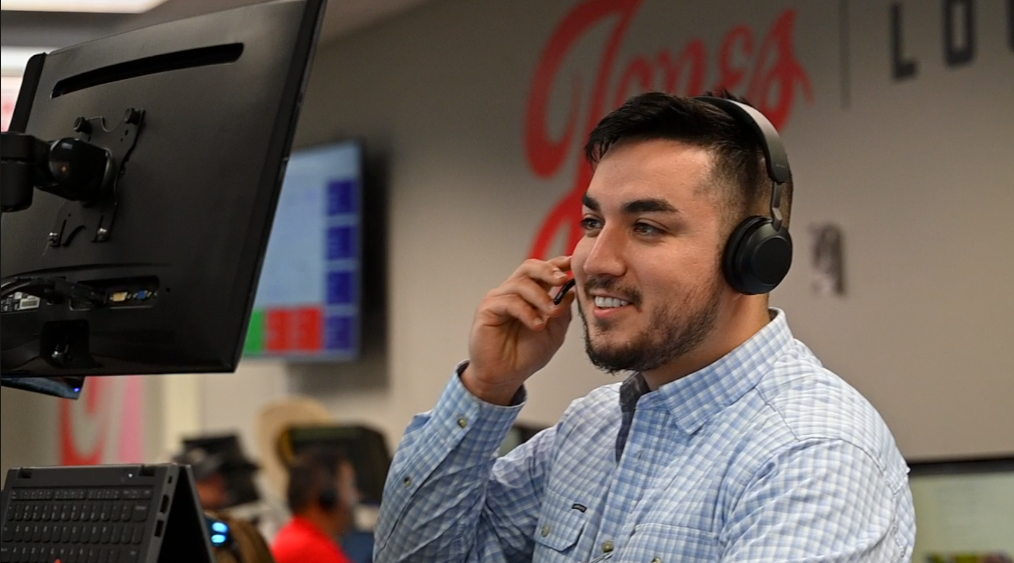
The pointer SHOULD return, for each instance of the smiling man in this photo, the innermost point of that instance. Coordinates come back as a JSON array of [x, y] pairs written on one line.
[[727, 441]]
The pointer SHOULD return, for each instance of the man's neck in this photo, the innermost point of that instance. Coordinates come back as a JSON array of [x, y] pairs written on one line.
[[749, 315]]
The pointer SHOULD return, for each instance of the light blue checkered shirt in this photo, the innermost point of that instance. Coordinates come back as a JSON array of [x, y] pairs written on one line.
[[763, 456]]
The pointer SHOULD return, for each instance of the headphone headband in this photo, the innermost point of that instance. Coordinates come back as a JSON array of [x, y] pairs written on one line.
[[775, 158], [774, 152], [759, 252]]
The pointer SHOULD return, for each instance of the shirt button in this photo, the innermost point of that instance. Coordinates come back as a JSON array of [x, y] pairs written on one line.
[[407, 482], [546, 529], [607, 546], [656, 560], [462, 422]]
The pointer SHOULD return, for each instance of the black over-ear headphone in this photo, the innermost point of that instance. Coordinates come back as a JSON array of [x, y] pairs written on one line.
[[317, 462], [759, 252], [327, 496]]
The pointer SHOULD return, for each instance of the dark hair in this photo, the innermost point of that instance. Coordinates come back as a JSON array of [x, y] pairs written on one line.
[[312, 479], [739, 159]]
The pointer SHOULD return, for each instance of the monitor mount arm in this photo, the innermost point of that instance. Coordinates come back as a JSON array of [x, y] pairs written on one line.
[[84, 170]]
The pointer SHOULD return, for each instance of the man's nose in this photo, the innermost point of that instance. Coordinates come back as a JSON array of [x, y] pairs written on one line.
[[607, 254]]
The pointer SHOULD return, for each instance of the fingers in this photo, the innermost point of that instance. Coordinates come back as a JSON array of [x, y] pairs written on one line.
[[502, 309], [525, 295], [532, 280], [497, 310], [529, 291], [561, 262], [548, 273]]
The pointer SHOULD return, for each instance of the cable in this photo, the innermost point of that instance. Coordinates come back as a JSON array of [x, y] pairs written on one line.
[[53, 289]]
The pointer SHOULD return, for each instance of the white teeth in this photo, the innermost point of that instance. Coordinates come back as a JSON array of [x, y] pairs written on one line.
[[609, 302]]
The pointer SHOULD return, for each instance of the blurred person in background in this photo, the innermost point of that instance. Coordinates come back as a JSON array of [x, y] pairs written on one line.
[[223, 474], [321, 493], [224, 481], [236, 540]]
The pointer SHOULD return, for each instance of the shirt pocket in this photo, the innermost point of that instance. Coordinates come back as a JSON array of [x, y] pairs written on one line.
[[660, 543], [560, 524]]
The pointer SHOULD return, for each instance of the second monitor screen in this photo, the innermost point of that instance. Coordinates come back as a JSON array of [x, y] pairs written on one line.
[[308, 298]]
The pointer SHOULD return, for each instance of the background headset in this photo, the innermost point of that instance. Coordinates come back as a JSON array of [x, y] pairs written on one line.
[[327, 497], [759, 252]]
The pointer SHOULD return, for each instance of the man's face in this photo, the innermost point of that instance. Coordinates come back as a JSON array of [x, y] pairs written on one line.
[[346, 484], [342, 518], [213, 492], [648, 267]]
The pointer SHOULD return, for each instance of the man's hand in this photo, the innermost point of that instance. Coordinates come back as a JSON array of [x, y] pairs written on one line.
[[517, 330]]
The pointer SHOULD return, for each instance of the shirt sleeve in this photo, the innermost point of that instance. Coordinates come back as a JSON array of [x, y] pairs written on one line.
[[448, 498], [821, 501]]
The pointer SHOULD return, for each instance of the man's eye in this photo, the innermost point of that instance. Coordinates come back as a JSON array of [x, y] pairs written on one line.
[[646, 229], [591, 224]]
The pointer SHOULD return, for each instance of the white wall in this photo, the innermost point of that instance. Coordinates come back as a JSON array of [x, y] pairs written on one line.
[[27, 430]]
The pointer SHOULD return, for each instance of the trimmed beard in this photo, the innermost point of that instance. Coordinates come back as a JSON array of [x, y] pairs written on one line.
[[674, 332]]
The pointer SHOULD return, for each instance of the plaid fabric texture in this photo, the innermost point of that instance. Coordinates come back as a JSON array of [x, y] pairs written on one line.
[[764, 456]]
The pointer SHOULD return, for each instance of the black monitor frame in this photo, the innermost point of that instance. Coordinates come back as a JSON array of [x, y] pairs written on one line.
[[144, 259], [964, 466]]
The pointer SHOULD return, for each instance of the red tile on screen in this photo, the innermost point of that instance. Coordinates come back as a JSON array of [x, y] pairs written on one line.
[[309, 329], [281, 330]]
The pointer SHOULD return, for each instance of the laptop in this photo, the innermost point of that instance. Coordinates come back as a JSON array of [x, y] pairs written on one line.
[[103, 514]]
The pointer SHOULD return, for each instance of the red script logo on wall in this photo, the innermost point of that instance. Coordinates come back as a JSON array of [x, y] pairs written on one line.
[[768, 74], [105, 425], [9, 88]]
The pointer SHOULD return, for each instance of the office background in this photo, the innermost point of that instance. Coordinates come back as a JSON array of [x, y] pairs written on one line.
[[899, 133]]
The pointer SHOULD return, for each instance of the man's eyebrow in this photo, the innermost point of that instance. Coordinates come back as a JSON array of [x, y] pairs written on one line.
[[648, 205]]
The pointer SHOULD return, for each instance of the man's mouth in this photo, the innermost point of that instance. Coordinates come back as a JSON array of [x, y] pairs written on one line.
[[609, 302]]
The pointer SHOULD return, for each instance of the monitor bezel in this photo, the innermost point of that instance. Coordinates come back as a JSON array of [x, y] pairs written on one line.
[[961, 465]]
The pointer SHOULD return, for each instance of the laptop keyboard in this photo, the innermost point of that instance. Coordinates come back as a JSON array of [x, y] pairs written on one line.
[[75, 525]]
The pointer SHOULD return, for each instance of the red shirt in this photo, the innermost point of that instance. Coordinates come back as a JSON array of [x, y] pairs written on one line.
[[302, 542]]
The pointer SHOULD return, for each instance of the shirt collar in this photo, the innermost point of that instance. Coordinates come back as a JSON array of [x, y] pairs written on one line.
[[694, 399], [631, 390]]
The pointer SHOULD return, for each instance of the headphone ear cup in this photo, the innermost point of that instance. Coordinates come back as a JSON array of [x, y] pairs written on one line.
[[757, 256], [328, 498]]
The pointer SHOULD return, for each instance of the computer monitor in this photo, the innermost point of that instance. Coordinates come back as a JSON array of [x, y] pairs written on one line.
[[365, 447], [964, 510], [309, 303], [139, 196]]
